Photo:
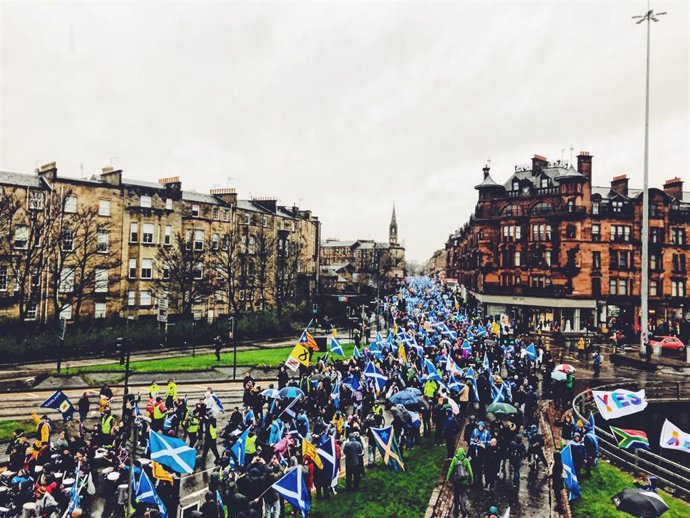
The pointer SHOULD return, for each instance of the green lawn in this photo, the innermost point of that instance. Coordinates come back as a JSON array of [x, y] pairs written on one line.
[[386, 493], [606, 482], [7, 427], [257, 357]]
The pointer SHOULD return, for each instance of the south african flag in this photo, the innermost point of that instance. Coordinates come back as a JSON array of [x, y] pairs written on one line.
[[630, 439]]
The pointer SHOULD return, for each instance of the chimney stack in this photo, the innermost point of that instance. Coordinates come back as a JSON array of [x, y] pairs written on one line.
[[619, 184], [47, 171], [584, 164], [674, 188], [227, 194], [171, 182], [111, 176], [538, 164], [486, 171]]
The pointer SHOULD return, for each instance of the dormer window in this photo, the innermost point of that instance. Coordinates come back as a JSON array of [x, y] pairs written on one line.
[[516, 185], [544, 182]]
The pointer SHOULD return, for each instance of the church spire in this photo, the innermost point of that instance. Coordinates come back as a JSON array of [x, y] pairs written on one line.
[[393, 229]]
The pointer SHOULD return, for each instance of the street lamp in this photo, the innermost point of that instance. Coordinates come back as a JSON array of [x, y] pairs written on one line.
[[649, 16]]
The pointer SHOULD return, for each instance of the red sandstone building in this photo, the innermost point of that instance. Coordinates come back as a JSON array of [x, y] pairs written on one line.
[[549, 248]]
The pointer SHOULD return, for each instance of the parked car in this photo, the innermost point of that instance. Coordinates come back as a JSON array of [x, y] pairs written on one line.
[[669, 343]]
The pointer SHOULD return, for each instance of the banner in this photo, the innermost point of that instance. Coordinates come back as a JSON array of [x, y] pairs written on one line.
[[618, 403], [674, 438], [299, 355]]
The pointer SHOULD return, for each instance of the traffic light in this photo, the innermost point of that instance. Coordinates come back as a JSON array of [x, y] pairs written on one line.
[[120, 349]]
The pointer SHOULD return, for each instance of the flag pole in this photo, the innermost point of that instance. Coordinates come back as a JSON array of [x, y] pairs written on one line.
[[132, 453]]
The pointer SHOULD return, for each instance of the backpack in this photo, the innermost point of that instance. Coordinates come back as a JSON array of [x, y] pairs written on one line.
[[460, 474]]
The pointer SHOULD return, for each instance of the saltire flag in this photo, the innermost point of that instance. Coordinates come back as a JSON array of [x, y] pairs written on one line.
[[221, 505], [388, 446], [74, 497], [238, 449], [372, 372], [353, 382], [172, 452], [356, 354], [570, 473], [455, 385], [390, 338], [446, 331], [379, 338], [293, 489], [497, 393], [335, 395], [486, 364], [146, 493], [309, 450], [308, 340], [630, 439], [336, 348], [481, 331], [466, 346], [531, 352], [469, 375], [327, 452], [452, 367], [60, 402], [470, 336], [214, 404], [431, 371], [288, 409]]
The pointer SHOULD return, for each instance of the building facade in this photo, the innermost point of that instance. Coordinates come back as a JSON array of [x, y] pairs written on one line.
[[105, 246], [362, 265], [548, 248]]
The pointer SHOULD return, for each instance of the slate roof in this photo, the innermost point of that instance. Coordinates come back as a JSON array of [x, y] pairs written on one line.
[[21, 180]]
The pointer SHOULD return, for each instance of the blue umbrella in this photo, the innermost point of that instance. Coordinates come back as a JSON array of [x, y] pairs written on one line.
[[405, 398], [271, 393], [291, 393]]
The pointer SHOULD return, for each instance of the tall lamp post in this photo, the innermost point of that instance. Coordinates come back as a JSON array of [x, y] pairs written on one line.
[[649, 16]]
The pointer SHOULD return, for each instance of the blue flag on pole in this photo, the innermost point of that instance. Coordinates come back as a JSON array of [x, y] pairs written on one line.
[[293, 489], [238, 449], [60, 402], [431, 371], [356, 354], [486, 364], [327, 452], [531, 352], [172, 452], [388, 445], [376, 375], [570, 473], [146, 493], [336, 348]]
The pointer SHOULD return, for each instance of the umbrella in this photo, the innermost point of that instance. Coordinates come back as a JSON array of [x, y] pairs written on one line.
[[640, 503], [405, 416], [397, 412], [565, 367], [452, 404], [291, 393], [271, 393], [404, 397], [501, 409], [414, 390], [558, 375]]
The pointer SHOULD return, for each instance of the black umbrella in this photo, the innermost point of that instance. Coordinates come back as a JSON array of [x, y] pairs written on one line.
[[638, 502]]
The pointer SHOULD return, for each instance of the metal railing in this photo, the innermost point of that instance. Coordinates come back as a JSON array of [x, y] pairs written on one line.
[[673, 477]]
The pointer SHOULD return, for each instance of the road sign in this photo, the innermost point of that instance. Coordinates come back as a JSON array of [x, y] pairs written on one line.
[[163, 310]]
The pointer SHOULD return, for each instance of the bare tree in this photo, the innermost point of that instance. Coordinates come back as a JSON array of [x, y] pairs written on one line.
[[186, 276], [264, 252], [228, 258], [288, 264]]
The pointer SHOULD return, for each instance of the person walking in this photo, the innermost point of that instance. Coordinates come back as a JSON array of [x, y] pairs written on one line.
[[170, 394], [353, 471], [83, 406], [210, 434], [217, 344], [451, 428], [460, 474]]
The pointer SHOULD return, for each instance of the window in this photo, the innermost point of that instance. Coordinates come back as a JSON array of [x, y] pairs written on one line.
[[21, 237], [146, 268], [188, 239], [622, 286], [247, 219], [538, 281], [655, 262], [198, 240], [167, 238], [66, 313], [99, 310], [134, 233], [198, 271], [225, 243], [166, 272], [678, 236], [67, 240], [144, 298], [168, 204], [103, 241], [512, 232], [145, 201], [678, 263], [131, 298], [516, 258], [132, 268], [653, 288], [264, 221], [616, 207], [613, 286], [595, 207], [147, 233], [104, 207], [596, 260], [544, 183], [195, 211], [677, 288], [3, 278], [216, 214], [541, 232], [596, 286], [596, 233], [570, 231], [620, 233], [101, 277], [70, 204], [31, 310], [656, 235], [66, 281], [226, 215], [215, 242], [516, 185], [35, 200], [571, 205]]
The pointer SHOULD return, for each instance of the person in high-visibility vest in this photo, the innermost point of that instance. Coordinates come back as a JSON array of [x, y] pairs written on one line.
[[250, 447], [154, 389], [107, 421], [192, 429], [43, 428], [210, 435], [170, 394], [159, 413]]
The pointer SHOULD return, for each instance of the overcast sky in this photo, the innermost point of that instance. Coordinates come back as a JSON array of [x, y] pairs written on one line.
[[342, 107]]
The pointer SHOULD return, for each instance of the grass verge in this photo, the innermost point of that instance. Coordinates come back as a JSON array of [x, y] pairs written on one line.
[[607, 481], [7, 427], [386, 493], [254, 358]]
